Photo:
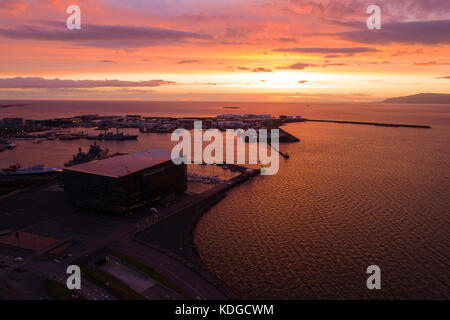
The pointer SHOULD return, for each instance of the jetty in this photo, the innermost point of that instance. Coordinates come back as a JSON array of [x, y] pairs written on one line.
[[379, 124], [283, 154]]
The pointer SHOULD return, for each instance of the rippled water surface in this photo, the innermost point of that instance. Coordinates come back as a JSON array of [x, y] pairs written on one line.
[[349, 196]]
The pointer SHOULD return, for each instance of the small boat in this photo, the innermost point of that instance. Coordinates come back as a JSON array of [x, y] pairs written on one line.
[[92, 137], [69, 137], [8, 144], [17, 170]]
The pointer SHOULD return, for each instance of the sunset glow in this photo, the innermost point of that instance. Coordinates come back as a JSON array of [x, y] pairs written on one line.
[[224, 50]]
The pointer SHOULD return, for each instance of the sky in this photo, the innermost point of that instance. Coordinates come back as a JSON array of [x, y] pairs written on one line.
[[223, 50]]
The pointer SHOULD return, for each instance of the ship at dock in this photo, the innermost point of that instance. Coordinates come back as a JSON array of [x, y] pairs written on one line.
[[6, 144], [17, 170], [112, 136], [95, 152]]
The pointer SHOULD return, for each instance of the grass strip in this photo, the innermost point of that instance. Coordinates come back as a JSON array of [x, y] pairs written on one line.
[[152, 273], [58, 291], [111, 284]]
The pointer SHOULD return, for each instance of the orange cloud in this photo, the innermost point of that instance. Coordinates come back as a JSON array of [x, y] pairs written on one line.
[[15, 7], [199, 42]]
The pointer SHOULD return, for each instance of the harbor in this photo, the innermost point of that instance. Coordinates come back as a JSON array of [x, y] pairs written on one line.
[[109, 179], [100, 217], [164, 205], [120, 136], [266, 153], [63, 128]]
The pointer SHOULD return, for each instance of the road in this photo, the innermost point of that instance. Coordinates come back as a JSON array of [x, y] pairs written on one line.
[[92, 233]]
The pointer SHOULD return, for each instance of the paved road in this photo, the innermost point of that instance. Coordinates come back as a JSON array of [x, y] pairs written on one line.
[[54, 271], [94, 232], [57, 272], [182, 275]]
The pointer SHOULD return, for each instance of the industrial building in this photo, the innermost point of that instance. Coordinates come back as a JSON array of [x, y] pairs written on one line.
[[123, 183], [12, 122]]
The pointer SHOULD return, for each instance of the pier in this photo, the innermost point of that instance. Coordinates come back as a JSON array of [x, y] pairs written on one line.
[[379, 124], [285, 155]]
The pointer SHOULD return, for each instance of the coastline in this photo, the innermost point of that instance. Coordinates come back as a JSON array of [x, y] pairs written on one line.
[[3, 106], [183, 223]]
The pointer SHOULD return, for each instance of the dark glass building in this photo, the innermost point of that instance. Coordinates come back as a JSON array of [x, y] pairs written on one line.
[[123, 183]]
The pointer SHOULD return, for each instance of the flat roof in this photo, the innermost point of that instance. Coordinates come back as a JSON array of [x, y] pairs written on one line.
[[120, 166], [28, 241]]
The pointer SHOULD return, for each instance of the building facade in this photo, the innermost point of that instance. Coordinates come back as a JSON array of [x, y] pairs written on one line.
[[121, 184]]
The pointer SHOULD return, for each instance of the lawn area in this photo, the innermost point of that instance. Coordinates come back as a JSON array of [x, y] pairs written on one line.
[[58, 291], [152, 273], [110, 284]]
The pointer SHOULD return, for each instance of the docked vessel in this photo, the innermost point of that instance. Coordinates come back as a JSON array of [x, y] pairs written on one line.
[[94, 153], [69, 137], [112, 136], [7, 144], [17, 170], [92, 136], [118, 136], [51, 137]]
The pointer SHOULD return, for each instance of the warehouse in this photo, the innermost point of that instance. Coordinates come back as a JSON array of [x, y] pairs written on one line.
[[121, 184]]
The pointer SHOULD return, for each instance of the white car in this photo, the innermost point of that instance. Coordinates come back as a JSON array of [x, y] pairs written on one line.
[[18, 259]]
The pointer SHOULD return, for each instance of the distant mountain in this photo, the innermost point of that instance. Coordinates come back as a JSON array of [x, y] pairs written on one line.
[[430, 98]]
